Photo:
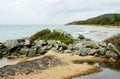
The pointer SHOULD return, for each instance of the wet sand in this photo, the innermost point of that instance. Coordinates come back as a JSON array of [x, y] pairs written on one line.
[[66, 71]]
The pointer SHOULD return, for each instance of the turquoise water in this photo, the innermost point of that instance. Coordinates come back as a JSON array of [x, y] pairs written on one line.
[[20, 31]]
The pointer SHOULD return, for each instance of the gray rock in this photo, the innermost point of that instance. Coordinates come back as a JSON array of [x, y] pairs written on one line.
[[39, 43], [81, 36], [60, 50], [51, 42], [102, 44], [70, 47], [64, 33], [113, 48], [102, 51], [56, 46], [13, 43], [27, 42], [24, 51], [78, 46], [91, 44], [67, 51], [63, 45], [85, 51], [31, 53], [49, 46]]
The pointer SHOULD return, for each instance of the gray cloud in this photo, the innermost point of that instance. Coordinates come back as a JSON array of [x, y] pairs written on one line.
[[53, 11]]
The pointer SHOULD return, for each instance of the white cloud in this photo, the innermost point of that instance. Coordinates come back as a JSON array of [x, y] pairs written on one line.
[[53, 11]]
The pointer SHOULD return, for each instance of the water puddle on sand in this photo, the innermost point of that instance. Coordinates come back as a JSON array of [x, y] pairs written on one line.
[[109, 70], [5, 61]]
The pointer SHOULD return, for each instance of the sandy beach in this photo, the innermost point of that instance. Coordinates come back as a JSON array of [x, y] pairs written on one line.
[[64, 72]]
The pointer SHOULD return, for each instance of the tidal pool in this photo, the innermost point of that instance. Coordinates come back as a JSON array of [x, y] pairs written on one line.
[[108, 70]]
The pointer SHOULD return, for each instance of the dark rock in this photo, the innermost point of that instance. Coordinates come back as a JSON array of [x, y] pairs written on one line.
[[2, 46], [34, 66], [81, 36]]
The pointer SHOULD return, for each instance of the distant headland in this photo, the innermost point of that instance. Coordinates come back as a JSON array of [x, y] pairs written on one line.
[[105, 19]]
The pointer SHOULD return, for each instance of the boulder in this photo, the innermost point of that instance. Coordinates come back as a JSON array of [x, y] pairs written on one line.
[[84, 51], [91, 44], [62, 32], [2, 46], [13, 44], [27, 42], [111, 54], [39, 43], [63, 45], [102, 44], [81, 36], [24, 51], [70, 47], [31, 53], [93, 51], [102, 51], [113, 48], [49, 46], [78, 46], [51, 42]]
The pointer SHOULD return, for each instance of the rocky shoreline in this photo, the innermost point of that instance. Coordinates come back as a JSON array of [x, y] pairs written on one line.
[[81, 46]]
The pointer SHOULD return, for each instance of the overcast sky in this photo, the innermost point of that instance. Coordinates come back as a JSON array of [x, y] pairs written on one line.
[[53, 11]]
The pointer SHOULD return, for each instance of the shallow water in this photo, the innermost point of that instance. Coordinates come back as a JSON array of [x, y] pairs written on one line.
[[109, 71], [5, 61], [92, 32]]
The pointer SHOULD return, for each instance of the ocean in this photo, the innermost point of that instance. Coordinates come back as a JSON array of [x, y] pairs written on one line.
[[8, 32]]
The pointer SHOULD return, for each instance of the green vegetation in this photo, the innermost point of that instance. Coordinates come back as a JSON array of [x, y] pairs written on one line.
[[115, 40], [46, 34], [106, 19]]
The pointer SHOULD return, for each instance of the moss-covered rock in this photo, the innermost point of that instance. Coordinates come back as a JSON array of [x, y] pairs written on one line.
[[46, 34]]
